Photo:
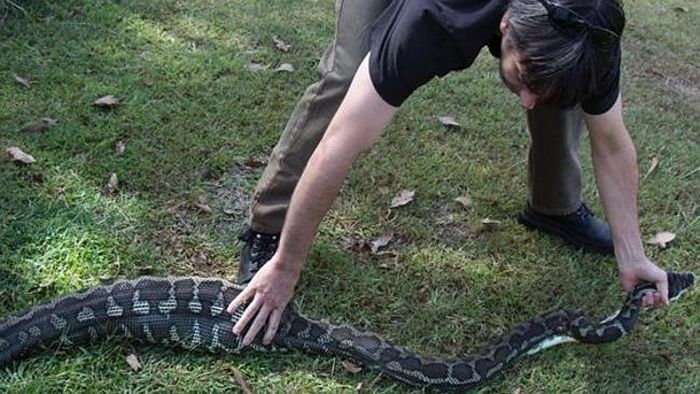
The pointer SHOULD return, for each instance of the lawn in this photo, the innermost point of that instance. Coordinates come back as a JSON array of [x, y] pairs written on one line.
[[202, 105]]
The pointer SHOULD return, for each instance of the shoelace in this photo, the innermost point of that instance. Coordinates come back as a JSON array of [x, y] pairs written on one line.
[[262, 248], [583, 212]]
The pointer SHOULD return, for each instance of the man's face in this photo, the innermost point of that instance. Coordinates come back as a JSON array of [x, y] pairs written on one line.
[[511, 71]]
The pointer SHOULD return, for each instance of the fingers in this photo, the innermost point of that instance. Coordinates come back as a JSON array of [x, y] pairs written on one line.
[[662, 287], [240, 299], [275, 318], [247, 315], [258, 323]]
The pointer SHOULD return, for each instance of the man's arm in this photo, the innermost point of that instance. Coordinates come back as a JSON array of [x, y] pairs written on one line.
[[616, 173], [359, 121]]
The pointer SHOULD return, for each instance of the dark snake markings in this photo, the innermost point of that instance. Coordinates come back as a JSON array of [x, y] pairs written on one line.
[[191, 312]]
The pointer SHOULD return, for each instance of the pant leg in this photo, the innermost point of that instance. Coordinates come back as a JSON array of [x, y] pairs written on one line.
[[313, 113], [554, 170]]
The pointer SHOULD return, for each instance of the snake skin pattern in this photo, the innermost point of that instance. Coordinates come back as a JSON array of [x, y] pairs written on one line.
[[191, 312]]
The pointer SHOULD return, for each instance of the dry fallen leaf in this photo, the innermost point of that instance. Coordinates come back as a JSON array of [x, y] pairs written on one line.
[[285, 67], [24, 81], [254, 162], [381, 241], [466, 201], [281, 45], [448, 121], [351, 367], [113, 183], [107, 101], [253, 66], [133, 362], [356, 244], [120, 147], [490, 222], [203, 205], [240, 379], [16, 154], [662, 238], [41, 125], [652, 167], [37, 179], [402, 198]]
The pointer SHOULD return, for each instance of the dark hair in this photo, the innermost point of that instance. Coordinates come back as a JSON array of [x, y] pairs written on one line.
[[563, 63]]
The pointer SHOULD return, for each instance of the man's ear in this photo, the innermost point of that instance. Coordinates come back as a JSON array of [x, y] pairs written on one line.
[[503, 26]]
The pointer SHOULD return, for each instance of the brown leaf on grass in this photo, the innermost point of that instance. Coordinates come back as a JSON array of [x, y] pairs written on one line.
[[448, 121], [240, 379], [351, 367], [280, 44], [402, 198], [448, 219], [113, 183], [356, 244], [654, 71], [108, 101], [119, 148], [490, 222], [285, 67], [133, 362], [254, 162], [466, 201], [662, 239], [652, 167], [381, 241], [41, 125], [24, 81], [203, 205], [16, 154]]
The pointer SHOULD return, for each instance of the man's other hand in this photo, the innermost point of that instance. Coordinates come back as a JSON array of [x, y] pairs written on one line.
[[636, 272]]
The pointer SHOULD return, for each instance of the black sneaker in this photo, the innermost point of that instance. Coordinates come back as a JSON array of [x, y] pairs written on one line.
[[580, 229], [258, 249]]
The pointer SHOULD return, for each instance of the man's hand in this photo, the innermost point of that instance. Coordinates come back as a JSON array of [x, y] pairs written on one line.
[[636, 272], [271, 290]]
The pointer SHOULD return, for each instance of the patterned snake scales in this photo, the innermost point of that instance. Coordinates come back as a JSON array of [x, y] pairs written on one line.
[[191, 312]]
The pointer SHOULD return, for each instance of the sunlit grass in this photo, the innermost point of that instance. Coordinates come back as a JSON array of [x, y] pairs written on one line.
[[192, 115]]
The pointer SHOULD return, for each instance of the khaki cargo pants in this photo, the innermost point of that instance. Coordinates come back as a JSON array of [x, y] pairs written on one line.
[[554, 171]]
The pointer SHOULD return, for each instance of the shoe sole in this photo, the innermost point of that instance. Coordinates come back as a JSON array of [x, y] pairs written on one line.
[[572, 240]]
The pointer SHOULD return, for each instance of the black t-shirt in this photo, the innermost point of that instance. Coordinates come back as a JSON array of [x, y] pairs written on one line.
[[414, 41]]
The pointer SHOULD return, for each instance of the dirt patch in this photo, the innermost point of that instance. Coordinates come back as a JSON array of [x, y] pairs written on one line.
[[229, 198], [453, 232]]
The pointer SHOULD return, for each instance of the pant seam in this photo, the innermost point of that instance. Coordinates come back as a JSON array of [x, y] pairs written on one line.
[[294, 131]]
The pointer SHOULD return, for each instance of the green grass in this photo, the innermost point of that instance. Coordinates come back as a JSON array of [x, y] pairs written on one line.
[[193, 114]]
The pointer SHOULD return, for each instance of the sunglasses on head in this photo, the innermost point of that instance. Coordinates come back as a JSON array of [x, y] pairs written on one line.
[[569, 21]]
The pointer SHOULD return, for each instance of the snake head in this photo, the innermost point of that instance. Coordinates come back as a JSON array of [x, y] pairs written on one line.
[[678, 283]]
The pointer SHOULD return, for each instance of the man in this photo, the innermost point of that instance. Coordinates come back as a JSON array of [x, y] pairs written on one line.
[[561, 57]]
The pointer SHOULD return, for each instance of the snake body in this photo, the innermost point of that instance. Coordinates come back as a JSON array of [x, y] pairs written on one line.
[[191, 312]]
